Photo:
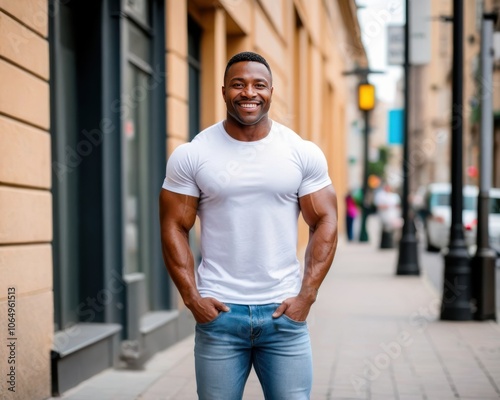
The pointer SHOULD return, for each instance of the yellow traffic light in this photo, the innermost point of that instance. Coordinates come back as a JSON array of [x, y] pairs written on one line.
[[366, 97]]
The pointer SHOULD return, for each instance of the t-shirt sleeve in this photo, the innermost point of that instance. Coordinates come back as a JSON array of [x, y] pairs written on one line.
[[180, 174], [315, 170]]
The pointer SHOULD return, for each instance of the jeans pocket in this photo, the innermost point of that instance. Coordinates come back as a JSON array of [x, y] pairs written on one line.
[[205, 324], [288, 319]]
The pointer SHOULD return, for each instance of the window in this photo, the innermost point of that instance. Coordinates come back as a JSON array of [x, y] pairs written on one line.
[[136, 126], [194, 113], [108, 148], [494, 205], [66, 175], [143, 148], [194, 61]]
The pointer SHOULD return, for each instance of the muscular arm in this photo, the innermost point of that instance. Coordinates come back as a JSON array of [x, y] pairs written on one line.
[[177, 217], [319, 210]]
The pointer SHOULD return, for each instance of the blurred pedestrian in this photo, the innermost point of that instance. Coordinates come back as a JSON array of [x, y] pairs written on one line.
[[351, 212], [248, 178], [389, 211]]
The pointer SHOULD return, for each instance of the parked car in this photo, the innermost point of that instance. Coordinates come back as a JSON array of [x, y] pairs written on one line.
[[436, 215], [493, 221]]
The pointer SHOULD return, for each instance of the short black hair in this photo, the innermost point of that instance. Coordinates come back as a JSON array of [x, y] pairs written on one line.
[[247, 56]]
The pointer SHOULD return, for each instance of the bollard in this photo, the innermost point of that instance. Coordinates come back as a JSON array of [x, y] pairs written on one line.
[[386, 239]]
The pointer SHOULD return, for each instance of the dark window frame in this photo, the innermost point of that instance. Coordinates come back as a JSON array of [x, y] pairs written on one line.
[[97, 283]]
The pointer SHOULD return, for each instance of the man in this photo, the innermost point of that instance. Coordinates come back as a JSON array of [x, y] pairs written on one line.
[[388, 208], [248, 178], [387, 203]]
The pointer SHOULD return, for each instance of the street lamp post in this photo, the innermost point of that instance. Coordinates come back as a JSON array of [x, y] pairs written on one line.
[[366, 103], [408, 255], [483, 262], [455, 303]]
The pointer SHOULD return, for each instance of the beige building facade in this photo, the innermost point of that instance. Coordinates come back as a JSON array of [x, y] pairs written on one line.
[[26, 300], [431, 101], [94, 96]]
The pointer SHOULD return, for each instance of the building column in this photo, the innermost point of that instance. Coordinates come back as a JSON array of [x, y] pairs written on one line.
[[213, 61]]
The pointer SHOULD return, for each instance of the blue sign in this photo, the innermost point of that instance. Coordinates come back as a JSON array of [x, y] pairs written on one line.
[[395, 126]]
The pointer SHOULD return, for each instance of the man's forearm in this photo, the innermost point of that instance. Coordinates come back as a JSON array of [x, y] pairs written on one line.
[[319, 256], [319, 210], [177, 217], [179, 261]]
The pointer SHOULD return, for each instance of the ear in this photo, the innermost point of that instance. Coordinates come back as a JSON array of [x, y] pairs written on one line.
[[224, 93]]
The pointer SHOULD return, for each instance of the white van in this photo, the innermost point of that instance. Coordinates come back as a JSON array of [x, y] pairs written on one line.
[[436, 215], [493, 220]]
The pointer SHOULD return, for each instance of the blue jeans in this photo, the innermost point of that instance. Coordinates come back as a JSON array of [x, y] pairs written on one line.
[[278, 348]]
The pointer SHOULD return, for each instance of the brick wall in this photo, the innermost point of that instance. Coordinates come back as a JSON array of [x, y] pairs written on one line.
[[25, 198]]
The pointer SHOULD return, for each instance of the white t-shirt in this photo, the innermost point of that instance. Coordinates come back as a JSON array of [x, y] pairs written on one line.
[[388, 208], [248, 209]]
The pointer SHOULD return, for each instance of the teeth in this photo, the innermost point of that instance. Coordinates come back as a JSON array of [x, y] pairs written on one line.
[[248, 105]]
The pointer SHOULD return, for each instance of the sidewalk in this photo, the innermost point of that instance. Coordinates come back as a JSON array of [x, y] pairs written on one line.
[[374, 335]]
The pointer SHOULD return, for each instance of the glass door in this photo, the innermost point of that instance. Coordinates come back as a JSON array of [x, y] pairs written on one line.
[[136, 130], [137, 139]]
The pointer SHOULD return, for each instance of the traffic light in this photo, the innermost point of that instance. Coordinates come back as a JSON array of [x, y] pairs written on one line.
[[366, 96]]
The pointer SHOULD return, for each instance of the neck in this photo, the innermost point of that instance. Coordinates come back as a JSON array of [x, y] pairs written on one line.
[[247, 133]]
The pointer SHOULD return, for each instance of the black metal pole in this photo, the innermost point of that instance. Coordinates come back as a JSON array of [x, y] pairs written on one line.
[[483, 262], [363, 234], [408, 255], [456, 291]]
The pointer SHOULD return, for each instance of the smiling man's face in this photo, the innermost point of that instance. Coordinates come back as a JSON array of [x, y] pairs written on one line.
[[247, 92]]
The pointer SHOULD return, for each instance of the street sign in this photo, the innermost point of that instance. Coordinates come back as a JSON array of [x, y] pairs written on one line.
[[420, 36], [496, 46], [395, 128], [395, 44], [420, 32]]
